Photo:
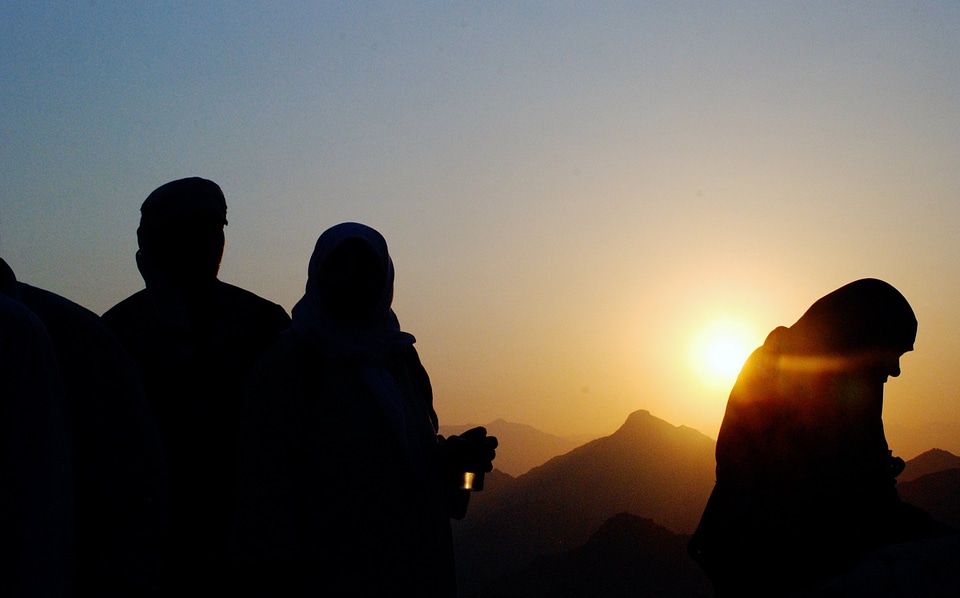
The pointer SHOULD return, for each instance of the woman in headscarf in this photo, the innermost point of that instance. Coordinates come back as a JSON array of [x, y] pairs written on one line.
[[805, 480], [344, 485]]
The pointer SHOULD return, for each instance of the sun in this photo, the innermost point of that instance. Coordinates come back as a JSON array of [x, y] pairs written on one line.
[[719, 351]]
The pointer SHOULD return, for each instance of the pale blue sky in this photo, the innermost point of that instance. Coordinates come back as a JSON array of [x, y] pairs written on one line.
[[570, 190]]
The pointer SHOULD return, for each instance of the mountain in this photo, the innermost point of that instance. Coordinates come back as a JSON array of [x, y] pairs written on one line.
[[909, 441], [648, 468], [628, 556], [931, 481], [931, 461], [936, 493], [521, 447]]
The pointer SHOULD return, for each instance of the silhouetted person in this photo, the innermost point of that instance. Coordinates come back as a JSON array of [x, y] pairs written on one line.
[[36, 494], [195, 339], [119, 476], [345, 487], [805, 480]]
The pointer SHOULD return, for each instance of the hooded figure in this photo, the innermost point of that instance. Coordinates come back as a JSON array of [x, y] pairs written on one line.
[[344, 486], [195, 339], [805, 480]]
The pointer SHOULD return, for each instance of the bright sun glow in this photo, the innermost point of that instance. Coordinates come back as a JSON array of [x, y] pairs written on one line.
[[719, 351]]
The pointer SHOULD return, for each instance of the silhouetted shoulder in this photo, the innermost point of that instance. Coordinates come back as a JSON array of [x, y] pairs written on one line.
[[44, 300], [134, 304], [235, 305], [61, 315], [245, 303]]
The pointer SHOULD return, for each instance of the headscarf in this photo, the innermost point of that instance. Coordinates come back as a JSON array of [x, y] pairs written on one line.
[[380, 336], [796, 388], [371, 343], [862, 316], [801, 453]]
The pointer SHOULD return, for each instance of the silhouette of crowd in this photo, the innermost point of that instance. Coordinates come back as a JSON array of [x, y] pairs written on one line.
[[196, 440], [150, 451]]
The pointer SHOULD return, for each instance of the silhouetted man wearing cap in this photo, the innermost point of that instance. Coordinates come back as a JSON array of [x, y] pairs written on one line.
[[194, 338]]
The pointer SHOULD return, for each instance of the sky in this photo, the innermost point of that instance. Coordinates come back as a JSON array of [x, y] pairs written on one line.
[[574, 193]]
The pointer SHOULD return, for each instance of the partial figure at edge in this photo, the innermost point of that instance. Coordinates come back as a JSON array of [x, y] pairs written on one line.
[[36, 485], [805, 480], [119, 472]]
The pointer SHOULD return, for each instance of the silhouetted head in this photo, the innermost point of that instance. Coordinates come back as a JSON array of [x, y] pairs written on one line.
[[346, 307], [351, 275], [867, 322], [181, 231]]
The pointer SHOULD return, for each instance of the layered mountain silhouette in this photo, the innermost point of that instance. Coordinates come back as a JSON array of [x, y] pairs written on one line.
[[929, 462], [521, 447], [648, 468], [612, 517], [936, 493]]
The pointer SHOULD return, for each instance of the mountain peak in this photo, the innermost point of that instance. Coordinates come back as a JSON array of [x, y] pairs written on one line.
[[644, 423], [931, 461], [640, 418]]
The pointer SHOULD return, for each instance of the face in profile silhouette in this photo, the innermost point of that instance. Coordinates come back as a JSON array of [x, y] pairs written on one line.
[[885, 364], [351, 282]]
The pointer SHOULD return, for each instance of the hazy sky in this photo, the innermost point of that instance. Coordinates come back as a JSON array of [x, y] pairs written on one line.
[[572, 192]]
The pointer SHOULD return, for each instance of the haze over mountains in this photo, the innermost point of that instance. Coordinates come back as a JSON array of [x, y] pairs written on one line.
[[648, 468], [908, 442], [612, 517]]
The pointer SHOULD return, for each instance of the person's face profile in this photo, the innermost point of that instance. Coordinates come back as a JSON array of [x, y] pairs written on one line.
[[889, 364], [882, 364], [351, 280]]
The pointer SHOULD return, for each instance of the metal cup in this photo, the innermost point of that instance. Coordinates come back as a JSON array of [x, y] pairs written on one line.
[[472, 481]]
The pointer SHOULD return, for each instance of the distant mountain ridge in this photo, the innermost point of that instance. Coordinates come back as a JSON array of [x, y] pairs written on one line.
[[522, 447], [648, 468], [926, 463], [911, 441], [611, 517]]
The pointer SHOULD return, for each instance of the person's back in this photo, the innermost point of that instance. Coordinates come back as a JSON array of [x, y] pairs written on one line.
[[36, 490], [119, 477], [195, 339], [119, 469]]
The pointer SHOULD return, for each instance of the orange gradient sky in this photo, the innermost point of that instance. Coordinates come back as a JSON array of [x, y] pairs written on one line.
[[573, 192]]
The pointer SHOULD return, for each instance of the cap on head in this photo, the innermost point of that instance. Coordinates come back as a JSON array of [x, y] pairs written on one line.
[[192, 195]]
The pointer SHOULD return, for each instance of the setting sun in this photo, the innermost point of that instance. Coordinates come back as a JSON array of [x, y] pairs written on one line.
[[719, 351]]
